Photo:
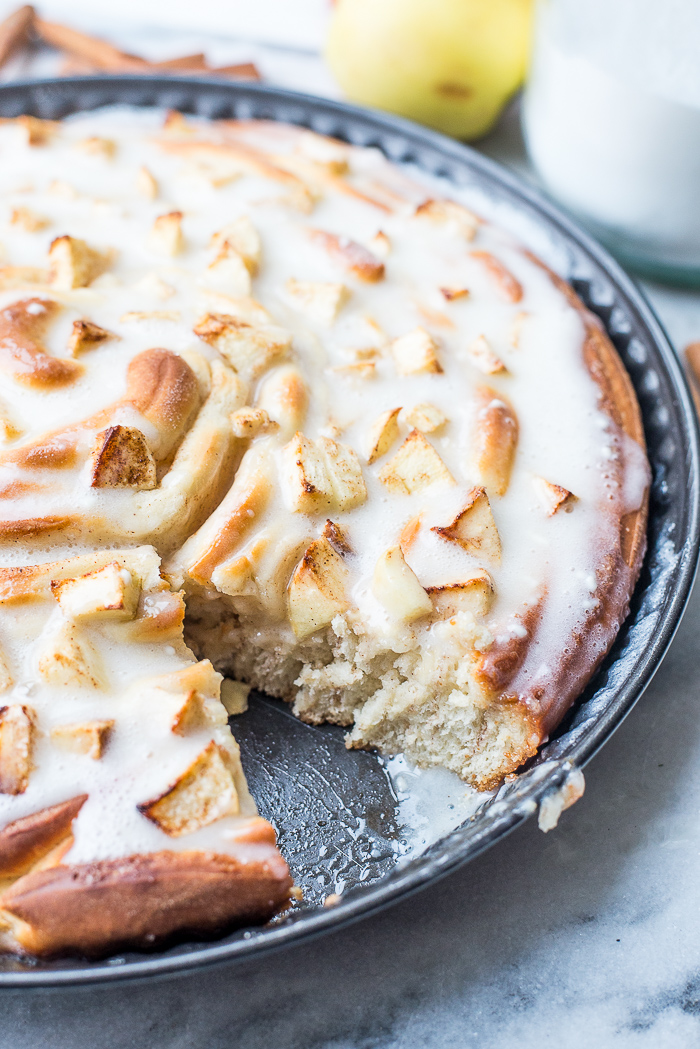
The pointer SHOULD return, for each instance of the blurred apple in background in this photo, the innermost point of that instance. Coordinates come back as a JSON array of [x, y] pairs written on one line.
[[450, 64]]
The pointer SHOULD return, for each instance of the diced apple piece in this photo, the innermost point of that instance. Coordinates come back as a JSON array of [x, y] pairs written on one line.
[[383, 432], [74, 264], [200, 676], [451, 214], [381, 245], [248, 347], [37, 132], [28, 220], [241, 237], [494, 440], [475, 595], [322, 475], [552, 496], [228, 273], [454, 294], [166, 234], [234, 696], [353, 256], [197, 712], [337, 538], [152, 284], [248, 422], [121, 458], [320, 301], [357, 370], [415, 353], [415, 466], [425, 417], [285, 397], [86, 336], [235, 577], [482, 356], [98, 147], [59, 188], [348, 488], [111, 592], [159, 619], [206, 792], [176, 123], [328, 152], [84, 737], [317, 589], [16, 739], [67, 661], [396, 586], [474, 528], [146, 184], [305, 475]]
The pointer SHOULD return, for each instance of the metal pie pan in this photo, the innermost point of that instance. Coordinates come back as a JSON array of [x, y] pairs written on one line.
[[324, 800]]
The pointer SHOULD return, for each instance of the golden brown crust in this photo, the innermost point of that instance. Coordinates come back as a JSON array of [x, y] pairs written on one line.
[[33, 527], [159, 384], [22, 326], [510, 288], [163, 387], [353, 256], [238, 513], [544, 706], [139, 901], [25, 841], [494, 439]]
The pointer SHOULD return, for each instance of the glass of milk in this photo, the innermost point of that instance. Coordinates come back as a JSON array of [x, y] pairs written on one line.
[[612, 124]]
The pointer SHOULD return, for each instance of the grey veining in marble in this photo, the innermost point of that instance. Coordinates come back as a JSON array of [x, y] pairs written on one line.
[[586, 938]]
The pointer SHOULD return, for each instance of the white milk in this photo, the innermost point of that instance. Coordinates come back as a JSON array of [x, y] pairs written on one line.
[[612, 121]]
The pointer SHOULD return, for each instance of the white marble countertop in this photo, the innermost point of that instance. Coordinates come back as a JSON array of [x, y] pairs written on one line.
[[588, 937]]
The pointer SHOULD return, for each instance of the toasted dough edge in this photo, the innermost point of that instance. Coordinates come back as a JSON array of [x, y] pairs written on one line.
[[143, 900], [27, 840], [544, 706]]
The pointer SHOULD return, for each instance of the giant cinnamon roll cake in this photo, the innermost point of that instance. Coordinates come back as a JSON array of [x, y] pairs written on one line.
[[393, 468]]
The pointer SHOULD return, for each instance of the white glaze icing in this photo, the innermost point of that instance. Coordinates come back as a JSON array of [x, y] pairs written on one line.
[[143, 756], [564, 437]]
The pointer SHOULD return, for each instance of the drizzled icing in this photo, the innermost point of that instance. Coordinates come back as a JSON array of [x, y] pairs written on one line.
[[147, 300]]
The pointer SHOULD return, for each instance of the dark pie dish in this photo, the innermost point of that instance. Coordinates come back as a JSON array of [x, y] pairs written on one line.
[[271, 739]]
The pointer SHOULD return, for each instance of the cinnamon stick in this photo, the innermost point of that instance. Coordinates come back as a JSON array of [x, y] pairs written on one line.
[[14, 32], [89, 54], [184, 62], [243, 70], [91, 49]]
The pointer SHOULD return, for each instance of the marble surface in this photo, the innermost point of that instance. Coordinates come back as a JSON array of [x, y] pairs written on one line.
[[588, 937]]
